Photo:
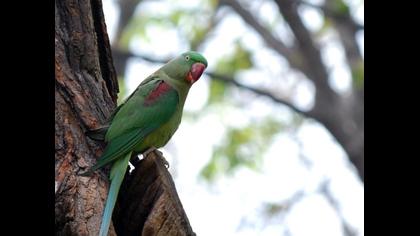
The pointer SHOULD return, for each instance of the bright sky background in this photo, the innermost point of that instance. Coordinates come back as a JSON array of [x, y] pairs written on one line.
[[233, 205]]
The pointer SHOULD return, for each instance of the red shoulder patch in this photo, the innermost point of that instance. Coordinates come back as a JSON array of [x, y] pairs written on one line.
[[161, 89]]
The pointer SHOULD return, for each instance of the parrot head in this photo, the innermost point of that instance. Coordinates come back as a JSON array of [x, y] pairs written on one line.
[[188, 67]]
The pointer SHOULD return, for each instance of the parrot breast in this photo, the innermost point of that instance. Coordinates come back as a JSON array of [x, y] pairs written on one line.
[[159, 137]]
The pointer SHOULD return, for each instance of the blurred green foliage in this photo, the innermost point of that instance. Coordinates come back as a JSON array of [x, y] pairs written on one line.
[[229, 65], [239, 60], [242, 147], [192, 24]]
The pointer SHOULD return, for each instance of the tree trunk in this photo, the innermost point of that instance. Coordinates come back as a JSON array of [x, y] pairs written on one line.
[[86, 90], [85, 95]]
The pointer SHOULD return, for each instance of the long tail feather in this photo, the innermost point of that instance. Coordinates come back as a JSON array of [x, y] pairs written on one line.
[[117, 175]]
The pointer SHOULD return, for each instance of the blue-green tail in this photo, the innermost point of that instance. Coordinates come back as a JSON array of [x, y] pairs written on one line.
[[117, 175]]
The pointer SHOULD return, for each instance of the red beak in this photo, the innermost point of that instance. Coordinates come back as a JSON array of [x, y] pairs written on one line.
[[196, 71]]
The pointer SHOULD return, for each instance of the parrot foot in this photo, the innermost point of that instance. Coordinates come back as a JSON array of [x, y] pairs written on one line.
[[158, 153], [152, 149], [165, 162]]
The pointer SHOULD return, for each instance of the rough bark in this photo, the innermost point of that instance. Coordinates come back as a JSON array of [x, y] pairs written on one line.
[[85, 94]]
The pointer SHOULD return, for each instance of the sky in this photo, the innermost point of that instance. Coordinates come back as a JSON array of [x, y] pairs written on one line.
[[233, 205]]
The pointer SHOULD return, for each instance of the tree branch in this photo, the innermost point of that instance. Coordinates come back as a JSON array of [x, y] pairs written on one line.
[[347, 35], [323, 188], [292, 56], [313, 63], [264, 93], [306, 58], [338, 114], [123, 54]]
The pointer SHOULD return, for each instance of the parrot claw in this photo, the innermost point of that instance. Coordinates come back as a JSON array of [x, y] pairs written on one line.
[[165, 162], [162, 159], [151, 149], [158, 153]]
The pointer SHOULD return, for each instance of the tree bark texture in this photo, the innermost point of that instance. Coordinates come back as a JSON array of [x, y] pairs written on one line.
[[86, 90], [85, 95]]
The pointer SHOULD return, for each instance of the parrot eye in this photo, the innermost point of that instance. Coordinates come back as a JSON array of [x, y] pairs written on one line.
[[187, 58]]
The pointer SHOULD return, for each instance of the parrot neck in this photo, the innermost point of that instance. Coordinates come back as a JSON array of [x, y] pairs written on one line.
[[179, 85]]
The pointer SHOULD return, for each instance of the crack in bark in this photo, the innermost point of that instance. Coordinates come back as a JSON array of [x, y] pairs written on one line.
[[105, 56]]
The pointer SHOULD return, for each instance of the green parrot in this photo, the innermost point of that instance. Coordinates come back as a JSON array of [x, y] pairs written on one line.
[[146, 120]]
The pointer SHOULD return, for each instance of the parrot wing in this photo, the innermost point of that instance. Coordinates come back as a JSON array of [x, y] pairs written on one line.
[[145, 81], [150, 106]]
